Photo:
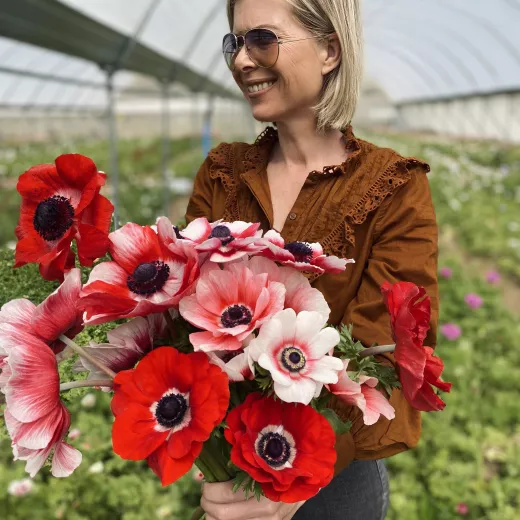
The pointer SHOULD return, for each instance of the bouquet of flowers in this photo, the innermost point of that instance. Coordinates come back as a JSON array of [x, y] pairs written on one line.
[[221, 357]]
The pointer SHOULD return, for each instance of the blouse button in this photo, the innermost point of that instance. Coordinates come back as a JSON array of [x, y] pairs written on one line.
[[292, 216]]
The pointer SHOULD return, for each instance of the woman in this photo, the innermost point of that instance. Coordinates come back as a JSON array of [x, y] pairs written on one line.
[[301, 67]]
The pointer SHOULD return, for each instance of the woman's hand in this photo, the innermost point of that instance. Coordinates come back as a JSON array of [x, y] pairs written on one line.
[[220, 503]]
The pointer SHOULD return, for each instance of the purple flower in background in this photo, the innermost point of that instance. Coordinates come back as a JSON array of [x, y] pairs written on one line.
[[451, 331], [446, 272], [493, 277], [474, 301]]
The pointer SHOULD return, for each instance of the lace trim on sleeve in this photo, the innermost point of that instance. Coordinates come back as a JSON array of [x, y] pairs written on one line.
[[222, 158]]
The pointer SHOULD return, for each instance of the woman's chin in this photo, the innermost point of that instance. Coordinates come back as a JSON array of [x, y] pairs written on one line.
[[265, 115]]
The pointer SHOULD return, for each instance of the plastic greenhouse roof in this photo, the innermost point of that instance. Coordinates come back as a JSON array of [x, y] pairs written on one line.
[[415, 49]]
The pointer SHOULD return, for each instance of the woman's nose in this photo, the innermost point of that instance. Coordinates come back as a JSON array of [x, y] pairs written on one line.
[[243, 61]]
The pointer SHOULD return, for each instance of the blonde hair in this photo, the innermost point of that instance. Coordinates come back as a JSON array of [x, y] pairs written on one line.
[[341, 86]]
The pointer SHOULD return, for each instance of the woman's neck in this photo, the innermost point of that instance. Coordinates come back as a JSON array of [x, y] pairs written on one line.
[[302, 148]]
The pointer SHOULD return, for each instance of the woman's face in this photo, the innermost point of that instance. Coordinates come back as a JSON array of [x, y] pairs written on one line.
[[298, 73]]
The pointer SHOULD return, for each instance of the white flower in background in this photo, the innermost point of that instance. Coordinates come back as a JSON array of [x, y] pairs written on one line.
[[97, 467], [89, 401], [74, 434], [294, 349], [513, 226], [19, 488]]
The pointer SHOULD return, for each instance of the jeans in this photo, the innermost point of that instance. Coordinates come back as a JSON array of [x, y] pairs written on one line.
[[359, 492]]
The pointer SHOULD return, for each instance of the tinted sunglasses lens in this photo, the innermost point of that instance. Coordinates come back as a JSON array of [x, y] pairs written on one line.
[[262, 47], [229, 48]]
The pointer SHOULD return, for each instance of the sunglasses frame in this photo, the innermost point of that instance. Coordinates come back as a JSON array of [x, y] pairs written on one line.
[[242, 38]]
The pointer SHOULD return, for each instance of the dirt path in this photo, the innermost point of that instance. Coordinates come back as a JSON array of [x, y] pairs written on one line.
[[478, 266]]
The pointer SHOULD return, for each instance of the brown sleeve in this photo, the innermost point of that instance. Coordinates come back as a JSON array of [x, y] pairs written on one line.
[[201, 200], [405, 248]]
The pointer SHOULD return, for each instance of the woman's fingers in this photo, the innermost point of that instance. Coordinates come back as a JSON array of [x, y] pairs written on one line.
[[222, 493]]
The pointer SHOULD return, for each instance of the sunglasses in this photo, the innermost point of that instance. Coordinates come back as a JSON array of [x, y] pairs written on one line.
[[262, 46]]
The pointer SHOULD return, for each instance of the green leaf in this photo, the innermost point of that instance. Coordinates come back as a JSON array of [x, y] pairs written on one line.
[[337, 424]]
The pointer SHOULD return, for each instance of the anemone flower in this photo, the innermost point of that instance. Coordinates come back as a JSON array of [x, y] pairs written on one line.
[[55, 316], [294, 349], [166, 408], [230, 241], [127, 344], [304, 256], [146, 276], [197, 231], [364, 395], [60, 203], [288, 449], [299, 295], [409, 309], [36, 419], [229, 304]]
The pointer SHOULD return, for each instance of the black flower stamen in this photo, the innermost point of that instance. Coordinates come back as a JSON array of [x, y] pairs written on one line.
[[274, 449], [177, 232], [223, 233], [293, 359], [236, 315], [301, 251], [53, 217], [171, 410], [148, 278]]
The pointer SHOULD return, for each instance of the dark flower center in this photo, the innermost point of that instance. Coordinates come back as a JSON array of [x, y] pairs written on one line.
[[148, 278], [274, 449], [228, 356], [177, 232], [171, 410], [301, 251], [293, 359], [53, 217], [223, 233], [236, 315]]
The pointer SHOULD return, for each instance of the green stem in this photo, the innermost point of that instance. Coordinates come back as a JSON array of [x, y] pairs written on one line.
[[199, 514], [206, 470], [374, 351], [170, 323], [215, 463], [84, 383], [83, 353]]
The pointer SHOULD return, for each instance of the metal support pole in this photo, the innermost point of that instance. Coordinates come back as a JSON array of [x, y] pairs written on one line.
[[206, 126], [112, 136], [165, 147]]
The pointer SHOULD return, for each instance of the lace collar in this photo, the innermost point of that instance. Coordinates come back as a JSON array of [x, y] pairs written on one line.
[[258, 155]]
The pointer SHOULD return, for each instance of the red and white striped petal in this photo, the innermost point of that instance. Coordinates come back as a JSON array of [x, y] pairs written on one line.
[[198, 230], [332, 264], [376, 405], [33, 388], [65, 460], [18, 313], [133, 244], [58, 314], [207, 342], [38, 434]]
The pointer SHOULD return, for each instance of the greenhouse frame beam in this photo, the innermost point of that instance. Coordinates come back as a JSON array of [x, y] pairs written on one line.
[[54, 26], [70, 81]]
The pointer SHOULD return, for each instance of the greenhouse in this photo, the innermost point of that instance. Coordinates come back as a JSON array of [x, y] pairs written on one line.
[[141, 88]]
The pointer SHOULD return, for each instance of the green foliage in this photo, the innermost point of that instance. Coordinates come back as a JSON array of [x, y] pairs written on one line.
[[251, 487], [368, 365], [339, 426]]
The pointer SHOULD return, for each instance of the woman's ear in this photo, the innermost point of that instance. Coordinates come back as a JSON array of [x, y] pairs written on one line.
[[333, 54]]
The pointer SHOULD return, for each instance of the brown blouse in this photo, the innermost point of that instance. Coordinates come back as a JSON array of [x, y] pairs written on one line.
[[377, 208]]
